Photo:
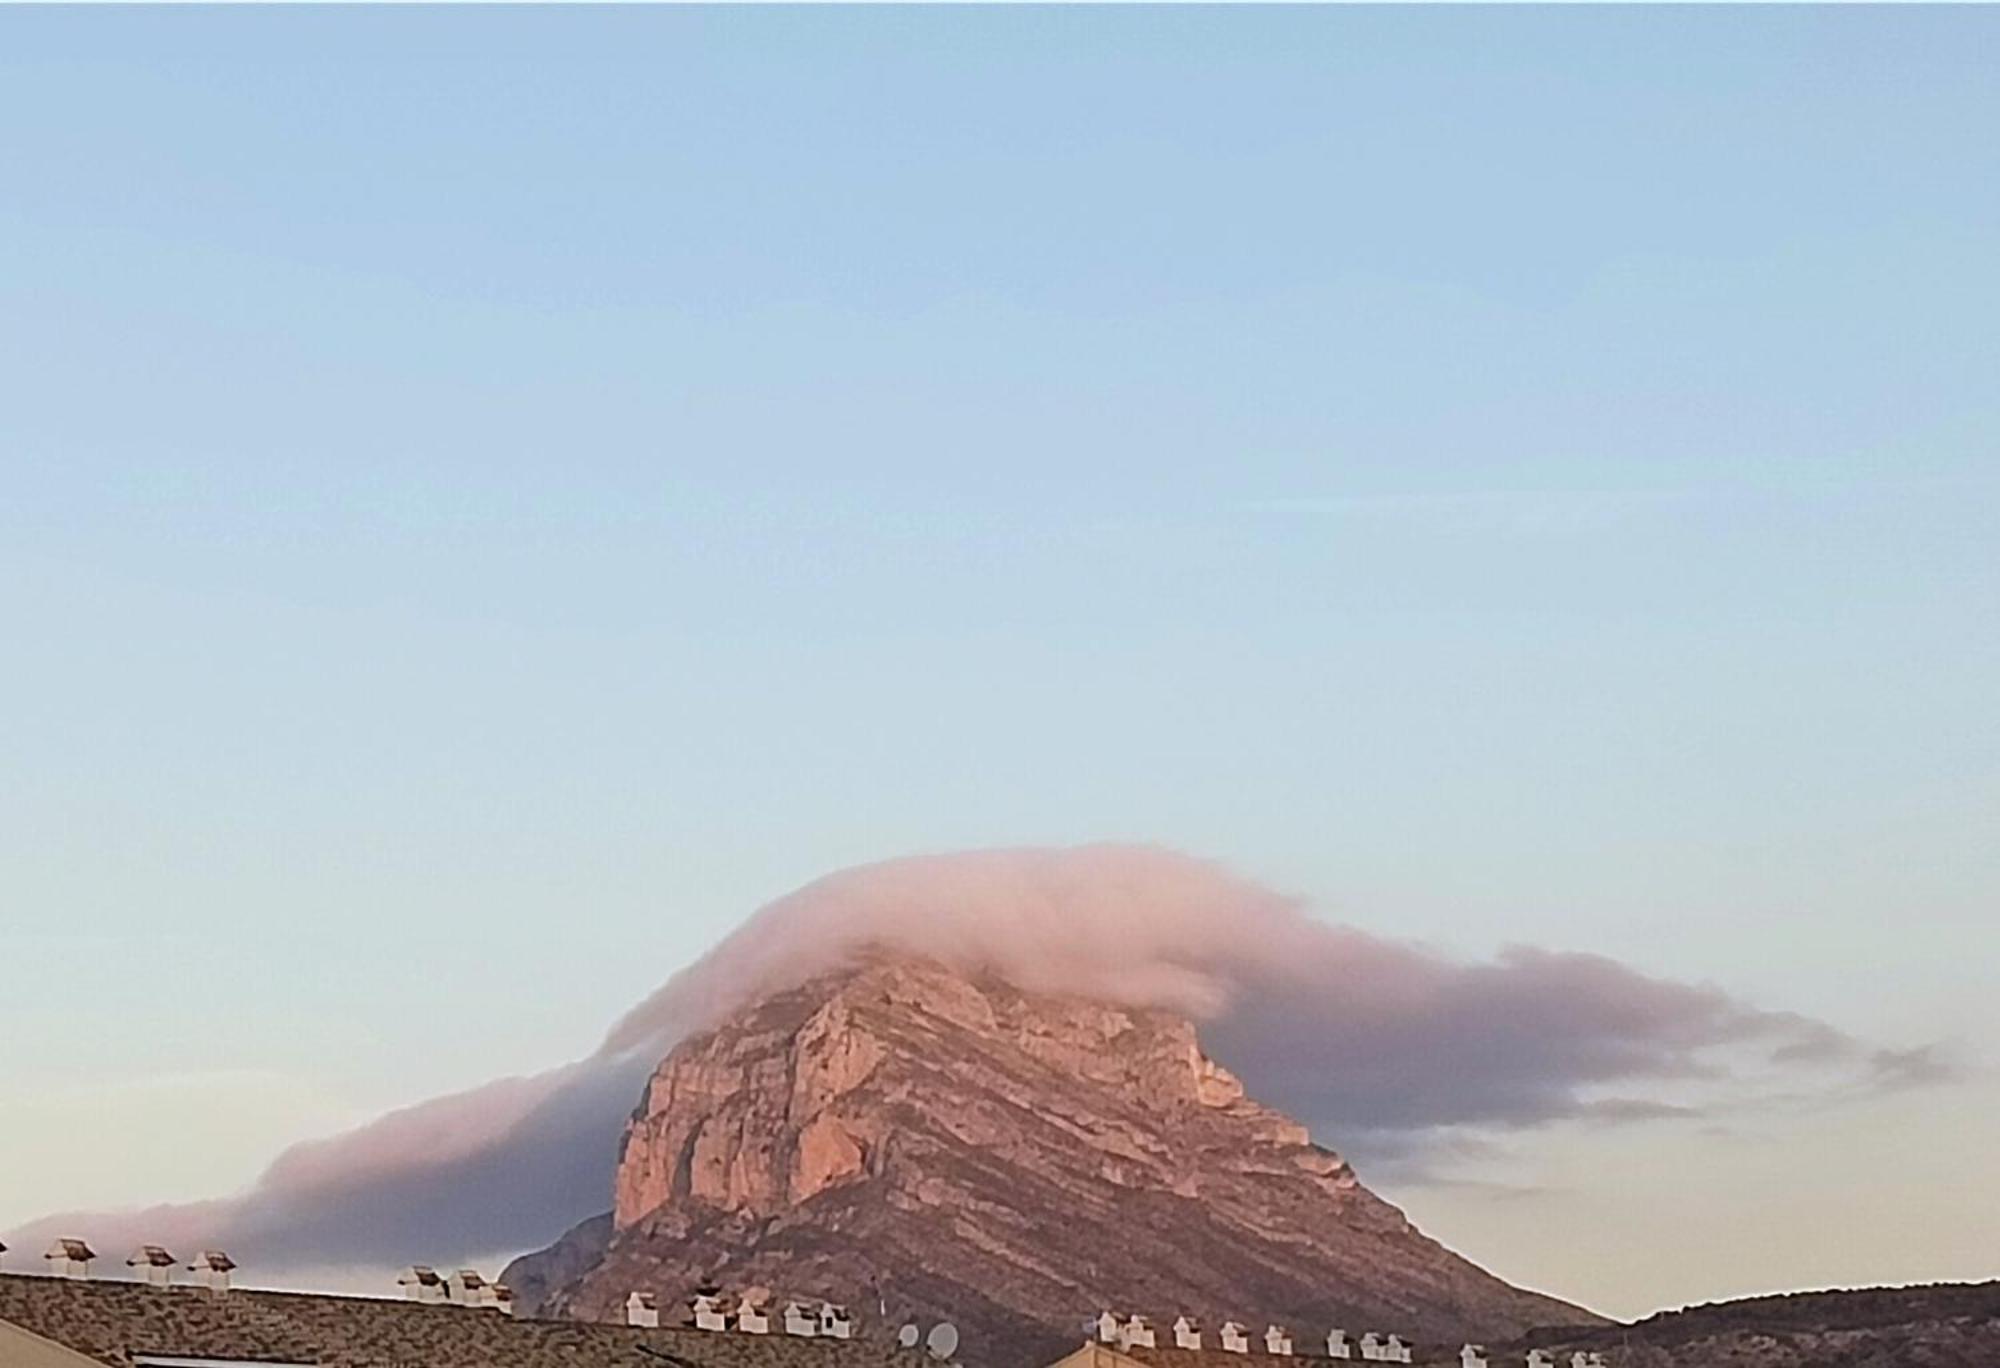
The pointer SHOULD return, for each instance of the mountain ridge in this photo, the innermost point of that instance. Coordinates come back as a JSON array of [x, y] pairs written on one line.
[[946, 1145], [1926, 1325]]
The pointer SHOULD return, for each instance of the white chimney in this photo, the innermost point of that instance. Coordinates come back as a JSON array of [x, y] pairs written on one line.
[[3, 1253], [153, 1264], [211, 1269], [641, 1310], [1337, 1345], [1137, 1330], [1107, 1327], [1395, 1351], [1234, 1339], [466, 1288], [421, 1283], [1472, 1356], [70, 1258], [834, 1322], [1371, 1347], [1276, 1341], [1539, 1358], [1187, 1333], [800, 1320], [710, 1311], [501, 1298], [753, 1314]]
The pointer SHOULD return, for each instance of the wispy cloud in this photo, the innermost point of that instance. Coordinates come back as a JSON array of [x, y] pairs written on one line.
[[1405, 1050]]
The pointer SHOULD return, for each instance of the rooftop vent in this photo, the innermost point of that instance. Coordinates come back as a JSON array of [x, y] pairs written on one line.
[[1235, 1339], [710, 1310], [1187, 1333], [501, 1298], [153, 1264], [1472, 1356], [70, 1258], [1394, 1350], [1338, 1345], [420, 1283], [1107, 1327], [1136, 1331], [1589, 1359], [800, 1319], [466, 1287], [3, 1253], [753, 1313], [641, 1310], [1539, 1358], [1371, 1347], [1277, 1340], [834, 1322], [211, 1269]]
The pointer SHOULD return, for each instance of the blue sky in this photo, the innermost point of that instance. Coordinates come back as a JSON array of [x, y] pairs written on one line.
[[491, 496]]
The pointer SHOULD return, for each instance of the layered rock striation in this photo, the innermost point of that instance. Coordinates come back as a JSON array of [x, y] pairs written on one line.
[[922, 1145]]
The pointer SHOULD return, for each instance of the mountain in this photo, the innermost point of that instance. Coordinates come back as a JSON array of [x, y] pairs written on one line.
[[1943, 1325], [922, 1145]]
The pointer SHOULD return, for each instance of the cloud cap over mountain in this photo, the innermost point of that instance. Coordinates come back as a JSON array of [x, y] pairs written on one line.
[[1343, 1027], [1355, 1033]]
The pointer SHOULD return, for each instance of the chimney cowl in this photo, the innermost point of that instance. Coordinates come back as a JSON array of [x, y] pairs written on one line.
[[421, 1283], [211, 1268], [70, 1257], [155, 1264], [710, 1309]]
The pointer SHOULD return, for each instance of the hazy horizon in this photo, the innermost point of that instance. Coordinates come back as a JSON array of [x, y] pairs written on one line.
[[496, 497]]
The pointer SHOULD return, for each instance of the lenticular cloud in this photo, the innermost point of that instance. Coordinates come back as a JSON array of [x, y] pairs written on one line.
[[1358, 1035]]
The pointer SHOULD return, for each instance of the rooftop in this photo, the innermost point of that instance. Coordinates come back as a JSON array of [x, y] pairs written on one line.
[[114, 1322], [1212, 1355]]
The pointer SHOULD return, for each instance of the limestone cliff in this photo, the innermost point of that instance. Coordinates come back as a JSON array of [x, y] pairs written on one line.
[[918, 1144]]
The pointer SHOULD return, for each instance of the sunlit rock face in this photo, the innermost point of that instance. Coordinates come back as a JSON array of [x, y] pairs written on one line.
[[900, 1133]]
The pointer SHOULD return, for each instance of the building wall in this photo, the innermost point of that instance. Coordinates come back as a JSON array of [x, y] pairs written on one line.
[[19, 1349]]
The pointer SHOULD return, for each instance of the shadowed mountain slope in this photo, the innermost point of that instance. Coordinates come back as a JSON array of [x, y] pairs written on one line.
[[920, 1145]]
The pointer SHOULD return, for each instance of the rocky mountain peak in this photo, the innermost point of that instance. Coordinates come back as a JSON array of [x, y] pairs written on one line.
[[950, 1145]]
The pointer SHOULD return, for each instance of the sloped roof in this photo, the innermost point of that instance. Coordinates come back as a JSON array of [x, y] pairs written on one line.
[[1212, 1355], [111, 1322], [19, 1349]]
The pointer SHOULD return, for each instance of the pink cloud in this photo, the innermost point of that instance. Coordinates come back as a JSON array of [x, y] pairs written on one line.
[[1355, 1033]]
